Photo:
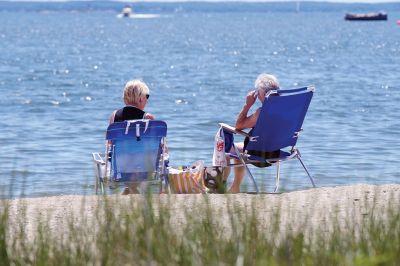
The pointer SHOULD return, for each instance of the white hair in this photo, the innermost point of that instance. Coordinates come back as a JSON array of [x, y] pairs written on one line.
[[266, 82]]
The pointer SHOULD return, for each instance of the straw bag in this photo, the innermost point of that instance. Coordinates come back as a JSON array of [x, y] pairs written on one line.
[[188, 180]]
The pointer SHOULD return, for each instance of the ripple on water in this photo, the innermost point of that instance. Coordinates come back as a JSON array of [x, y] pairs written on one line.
[[58, 92]]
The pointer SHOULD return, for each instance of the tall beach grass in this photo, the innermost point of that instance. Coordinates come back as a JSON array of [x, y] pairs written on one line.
[[146, 230]]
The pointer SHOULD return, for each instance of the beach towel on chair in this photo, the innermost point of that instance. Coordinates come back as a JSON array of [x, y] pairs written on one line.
[[188, 180]]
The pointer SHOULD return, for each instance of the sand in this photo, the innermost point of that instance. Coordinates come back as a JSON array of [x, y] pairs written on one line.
[[299, 210]]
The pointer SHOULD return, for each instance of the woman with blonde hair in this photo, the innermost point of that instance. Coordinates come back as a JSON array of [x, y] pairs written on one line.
[[136, 94]]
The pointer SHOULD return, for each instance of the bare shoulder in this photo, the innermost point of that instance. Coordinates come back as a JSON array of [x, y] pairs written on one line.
[[112, 116]]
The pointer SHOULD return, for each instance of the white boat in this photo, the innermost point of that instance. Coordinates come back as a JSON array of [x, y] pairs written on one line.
[[127, 11]]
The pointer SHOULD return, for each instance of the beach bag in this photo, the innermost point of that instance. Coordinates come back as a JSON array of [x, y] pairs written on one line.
[[214, 179], [219, 158], [187, 180]]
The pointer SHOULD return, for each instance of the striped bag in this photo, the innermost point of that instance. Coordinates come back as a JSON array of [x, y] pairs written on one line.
[[189, 180]]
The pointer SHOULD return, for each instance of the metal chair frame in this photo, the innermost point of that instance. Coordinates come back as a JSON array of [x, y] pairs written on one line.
[[294, 153], [103, 167]]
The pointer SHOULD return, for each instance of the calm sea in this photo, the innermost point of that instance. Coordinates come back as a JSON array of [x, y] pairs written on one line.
[[62, 74]]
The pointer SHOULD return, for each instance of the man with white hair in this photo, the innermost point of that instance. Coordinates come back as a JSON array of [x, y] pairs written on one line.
[[263, 84]]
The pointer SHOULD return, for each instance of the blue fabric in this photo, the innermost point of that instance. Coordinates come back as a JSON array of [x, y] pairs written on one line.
[[302, 89], [280, 118], [155, 128], [228, 136], [132, 177], [135, 156]]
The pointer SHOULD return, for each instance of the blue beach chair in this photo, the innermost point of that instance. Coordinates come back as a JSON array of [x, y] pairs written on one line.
[[274, 137], [137, 154]]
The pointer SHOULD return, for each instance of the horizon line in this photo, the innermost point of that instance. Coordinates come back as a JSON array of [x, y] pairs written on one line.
[[217, 1]]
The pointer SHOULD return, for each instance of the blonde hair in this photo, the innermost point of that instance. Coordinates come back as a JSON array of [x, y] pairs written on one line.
[[134, 90], [266, 82]]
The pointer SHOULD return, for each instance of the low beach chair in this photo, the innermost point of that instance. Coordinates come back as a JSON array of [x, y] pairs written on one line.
[[136, 154], [276, 132]]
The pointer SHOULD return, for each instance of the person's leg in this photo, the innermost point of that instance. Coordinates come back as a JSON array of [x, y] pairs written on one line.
[[227, 170], [131, 188], [239, 172]]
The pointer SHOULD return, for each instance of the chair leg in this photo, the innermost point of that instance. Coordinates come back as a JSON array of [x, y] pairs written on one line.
[[305, 168], [102, 178], [96, 185], [106, 161], [247, 168], [278, 170], [167, 188], [102, 187], [97, 169]]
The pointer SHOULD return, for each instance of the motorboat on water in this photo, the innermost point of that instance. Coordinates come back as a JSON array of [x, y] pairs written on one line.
[[127, 11], [366, 16]]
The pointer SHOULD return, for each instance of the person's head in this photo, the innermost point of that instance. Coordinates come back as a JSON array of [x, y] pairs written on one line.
[[136, 93], [265, 83]]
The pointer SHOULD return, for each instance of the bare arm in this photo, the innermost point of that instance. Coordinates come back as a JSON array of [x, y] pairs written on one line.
[[111, 120], [112, 117], [244, 120], [149, 116]]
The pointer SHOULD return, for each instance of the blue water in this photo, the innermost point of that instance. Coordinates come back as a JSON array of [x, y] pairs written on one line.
[[62, 74]]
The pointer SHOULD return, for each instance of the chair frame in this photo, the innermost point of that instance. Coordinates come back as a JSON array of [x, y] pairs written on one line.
[[294, 153], [103, 167]]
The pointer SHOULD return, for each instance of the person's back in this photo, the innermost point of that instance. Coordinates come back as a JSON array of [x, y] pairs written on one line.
[[135, 95], [128, 113]]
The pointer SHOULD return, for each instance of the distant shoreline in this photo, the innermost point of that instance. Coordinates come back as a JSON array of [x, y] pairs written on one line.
[[213, 1], [203, 6]]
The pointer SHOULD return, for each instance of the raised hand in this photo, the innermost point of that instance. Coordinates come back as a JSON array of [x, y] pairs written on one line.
[[251, 98]]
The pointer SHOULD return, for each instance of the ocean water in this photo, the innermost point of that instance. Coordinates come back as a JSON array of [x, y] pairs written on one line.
[[62, 74]]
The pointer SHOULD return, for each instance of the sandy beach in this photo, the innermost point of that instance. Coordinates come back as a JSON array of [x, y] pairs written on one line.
[[299, 210]]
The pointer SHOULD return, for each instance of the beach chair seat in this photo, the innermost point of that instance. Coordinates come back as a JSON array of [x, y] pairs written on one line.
[[276, 132], [135, 154]]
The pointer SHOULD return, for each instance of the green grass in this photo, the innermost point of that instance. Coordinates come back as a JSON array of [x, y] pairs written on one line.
[[149, 234]]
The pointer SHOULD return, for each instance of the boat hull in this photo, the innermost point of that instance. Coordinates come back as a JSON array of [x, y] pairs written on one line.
[[365, 17]]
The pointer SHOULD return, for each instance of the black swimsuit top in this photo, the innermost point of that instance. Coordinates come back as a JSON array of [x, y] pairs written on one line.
[[128, 113]]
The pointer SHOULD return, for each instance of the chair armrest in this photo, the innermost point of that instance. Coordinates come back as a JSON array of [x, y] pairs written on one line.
[[98, 159], [234, 130]]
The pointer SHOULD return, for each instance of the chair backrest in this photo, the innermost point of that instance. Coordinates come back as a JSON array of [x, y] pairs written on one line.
[[281, 118], [136, 148]]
